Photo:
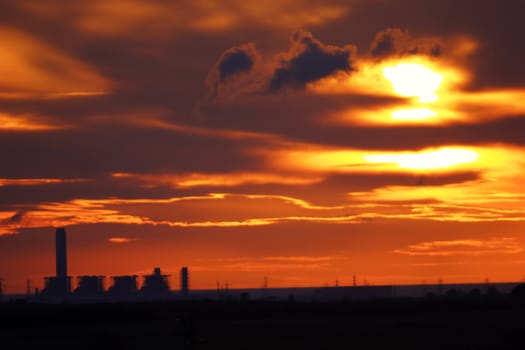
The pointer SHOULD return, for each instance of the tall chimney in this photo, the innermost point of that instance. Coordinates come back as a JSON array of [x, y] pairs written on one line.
[[184, 280], [60, 251]]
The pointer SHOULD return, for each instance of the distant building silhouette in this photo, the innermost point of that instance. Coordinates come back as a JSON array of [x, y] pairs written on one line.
[[184, 280], [60, 284], [54, 286], [90, 286], [123, 285], [155, 283], [60, 253]]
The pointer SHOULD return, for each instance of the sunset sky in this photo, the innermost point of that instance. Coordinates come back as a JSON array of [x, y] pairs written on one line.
[[299, 141]]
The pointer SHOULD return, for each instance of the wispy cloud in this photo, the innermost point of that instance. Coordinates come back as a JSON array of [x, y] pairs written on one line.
[[10, 122], [36, 182], [217, 180], [110, 18], [300, 258], [238, 210], [32, 67], [475, 247], [120, 240]]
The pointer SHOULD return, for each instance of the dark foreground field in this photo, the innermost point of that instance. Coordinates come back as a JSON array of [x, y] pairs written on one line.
[[437, 323]]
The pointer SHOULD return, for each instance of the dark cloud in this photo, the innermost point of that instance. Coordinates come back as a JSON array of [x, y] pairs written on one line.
[[236, 60], [116, 148], [309, 60], [398, 42], [232, 69]]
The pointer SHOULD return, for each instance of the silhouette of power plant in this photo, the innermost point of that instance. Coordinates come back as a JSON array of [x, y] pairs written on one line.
[[60, 284], [155, 284]]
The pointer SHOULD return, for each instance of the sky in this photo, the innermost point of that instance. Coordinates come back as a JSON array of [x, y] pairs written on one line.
[[283, 143]]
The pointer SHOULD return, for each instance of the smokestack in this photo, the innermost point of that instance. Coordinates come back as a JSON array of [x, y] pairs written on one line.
[[184, 280], [61, 256]]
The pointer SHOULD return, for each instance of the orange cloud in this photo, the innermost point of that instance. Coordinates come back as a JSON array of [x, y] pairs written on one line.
[[114, 17], [299, 258], [90, 212], [496, 245], [11, 122], [496, 196], [218, 210], [430, 91], [223, 180], [318, 159], [7, 224], [486, 200], [36, 182], [32, 68], [120, 240]]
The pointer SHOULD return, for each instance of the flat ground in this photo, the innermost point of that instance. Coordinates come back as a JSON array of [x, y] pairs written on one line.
[[437, 323]]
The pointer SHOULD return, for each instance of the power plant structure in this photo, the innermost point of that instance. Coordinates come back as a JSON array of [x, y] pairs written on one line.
[[184, 280], [124, 285], [90, 285], [156, 286], [59, 286], [61, 253], [156, 283]]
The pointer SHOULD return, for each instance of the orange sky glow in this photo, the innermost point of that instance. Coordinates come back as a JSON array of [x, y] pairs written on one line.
[[298, 143]]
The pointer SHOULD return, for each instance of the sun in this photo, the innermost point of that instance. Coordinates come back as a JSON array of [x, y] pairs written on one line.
[[414, 80]]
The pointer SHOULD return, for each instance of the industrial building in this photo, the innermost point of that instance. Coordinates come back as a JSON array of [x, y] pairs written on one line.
[[156, 283], [123, 285], [184, 281], [90, 286], [60, 284], [95, 285]]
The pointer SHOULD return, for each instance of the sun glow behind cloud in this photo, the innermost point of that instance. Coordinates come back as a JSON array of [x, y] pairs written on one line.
[[496, 192], [414, 80], [446, 158], [443, 158], [422, 91], [430, 92]]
